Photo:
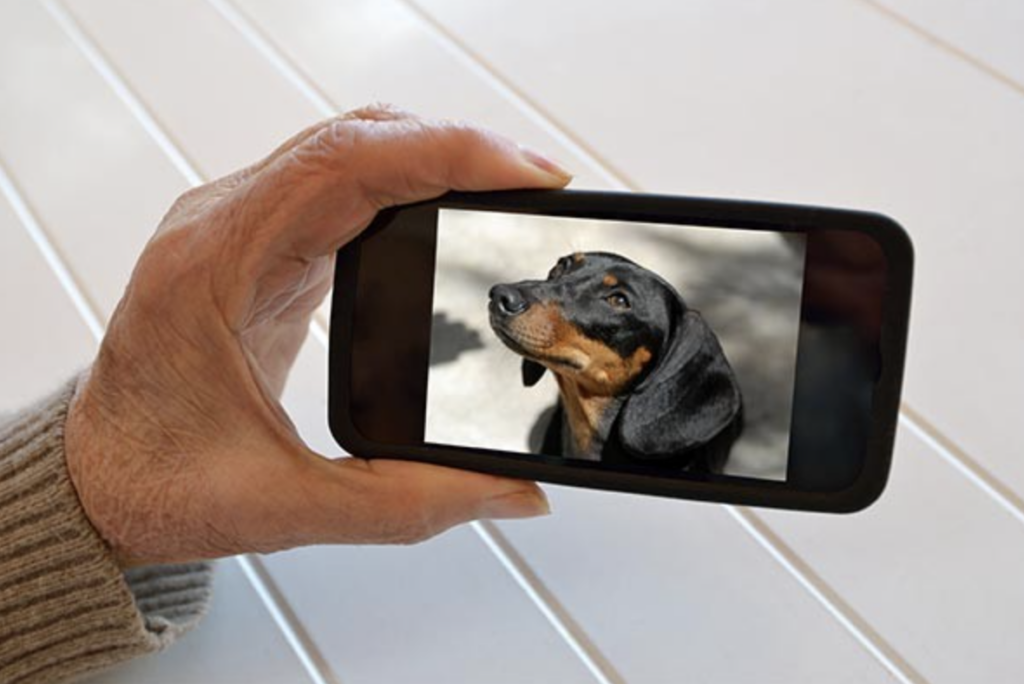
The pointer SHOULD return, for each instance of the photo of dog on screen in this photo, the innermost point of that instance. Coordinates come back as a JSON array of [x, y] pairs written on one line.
[[666, 349], [641, 376]]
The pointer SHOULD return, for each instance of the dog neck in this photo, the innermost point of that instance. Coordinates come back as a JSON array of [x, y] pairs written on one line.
[[586, 420]]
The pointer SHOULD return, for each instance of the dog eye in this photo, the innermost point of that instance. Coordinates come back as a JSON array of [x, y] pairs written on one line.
[[618, 300]]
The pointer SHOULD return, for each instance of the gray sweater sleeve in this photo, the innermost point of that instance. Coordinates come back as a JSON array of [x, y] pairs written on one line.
[[66, 608]]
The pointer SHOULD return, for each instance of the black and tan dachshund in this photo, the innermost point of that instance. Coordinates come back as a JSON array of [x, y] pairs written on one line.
[[642, 379]]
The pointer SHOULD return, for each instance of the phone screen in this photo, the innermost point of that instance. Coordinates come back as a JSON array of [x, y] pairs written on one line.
[[716, 343], [549, 334]]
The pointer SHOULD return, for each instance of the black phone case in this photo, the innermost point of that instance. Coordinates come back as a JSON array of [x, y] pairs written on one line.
[[868, 486]]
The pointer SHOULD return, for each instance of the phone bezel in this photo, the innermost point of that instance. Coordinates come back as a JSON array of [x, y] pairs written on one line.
[[867, 487]]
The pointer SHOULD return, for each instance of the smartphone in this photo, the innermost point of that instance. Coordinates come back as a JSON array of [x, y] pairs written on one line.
[[705, 349]]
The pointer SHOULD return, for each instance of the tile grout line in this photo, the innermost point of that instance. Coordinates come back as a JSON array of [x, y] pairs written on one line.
[[957, 458], [547, 603], [259, 41], [943, 44], [858, 627], [519, 99], [68, 282], [116, 82], [555, 614], [317, 667], [252, 567]]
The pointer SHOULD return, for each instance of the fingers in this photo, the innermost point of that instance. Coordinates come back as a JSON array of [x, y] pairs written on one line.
[[387, 501], [328, 186]]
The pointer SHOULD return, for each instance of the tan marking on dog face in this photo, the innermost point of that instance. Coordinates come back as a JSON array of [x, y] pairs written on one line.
[[600, 371], [578, 258], [546, 336], [610, 280]]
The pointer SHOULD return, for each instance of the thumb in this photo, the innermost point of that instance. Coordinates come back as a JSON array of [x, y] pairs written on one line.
[[407, 502]]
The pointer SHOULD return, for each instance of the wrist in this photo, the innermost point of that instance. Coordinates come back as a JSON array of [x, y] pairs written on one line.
[[83, 458]]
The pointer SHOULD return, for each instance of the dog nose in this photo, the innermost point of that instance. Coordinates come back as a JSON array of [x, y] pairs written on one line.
[[508, 299]]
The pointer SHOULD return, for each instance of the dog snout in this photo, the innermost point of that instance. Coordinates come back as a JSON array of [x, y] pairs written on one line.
[[508, 300]]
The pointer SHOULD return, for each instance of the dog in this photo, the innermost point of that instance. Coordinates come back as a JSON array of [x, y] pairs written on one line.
[[642, 378]]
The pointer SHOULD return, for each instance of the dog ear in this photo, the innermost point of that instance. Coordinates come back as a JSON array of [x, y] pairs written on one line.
[[688, 398], [532, 372]]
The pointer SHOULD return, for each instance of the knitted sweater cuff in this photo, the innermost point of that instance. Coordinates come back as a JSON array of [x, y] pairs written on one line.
[[66, 607]]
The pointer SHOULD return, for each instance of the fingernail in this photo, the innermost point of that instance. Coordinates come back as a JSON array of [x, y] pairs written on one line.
[[545, 164], [526, 503]]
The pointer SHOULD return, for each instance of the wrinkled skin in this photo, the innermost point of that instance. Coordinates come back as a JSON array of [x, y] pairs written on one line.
[[176, 441]]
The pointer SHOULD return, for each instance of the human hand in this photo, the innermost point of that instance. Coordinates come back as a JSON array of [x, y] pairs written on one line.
[[176, 441]]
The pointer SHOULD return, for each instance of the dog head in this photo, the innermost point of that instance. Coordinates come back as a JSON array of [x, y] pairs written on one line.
[[614, 329]]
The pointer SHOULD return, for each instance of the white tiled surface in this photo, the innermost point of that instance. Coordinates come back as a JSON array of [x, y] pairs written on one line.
[[836, 103]]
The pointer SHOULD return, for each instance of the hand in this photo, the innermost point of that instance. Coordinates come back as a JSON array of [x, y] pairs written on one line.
[[176, 441]]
